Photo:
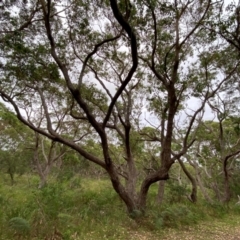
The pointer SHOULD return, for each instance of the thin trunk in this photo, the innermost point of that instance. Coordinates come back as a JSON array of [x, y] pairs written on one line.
[[132, 178], [199, 180], [160, 195], [43, 176], [39, 170], [43, 181], [217, 191], [11, 174], [166, 160], [193, 196], [227, 191], [202, 188]]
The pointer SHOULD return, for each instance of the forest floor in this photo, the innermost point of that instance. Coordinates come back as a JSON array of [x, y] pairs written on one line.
[[89, 209], [227, 228]]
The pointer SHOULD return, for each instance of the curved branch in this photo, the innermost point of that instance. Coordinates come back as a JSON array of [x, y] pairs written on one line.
[[134, 52], [56, 137]]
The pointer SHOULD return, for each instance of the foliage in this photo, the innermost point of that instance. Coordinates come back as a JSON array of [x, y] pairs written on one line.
[[217, 153], [19, 225], [14, 136], [93, 211]]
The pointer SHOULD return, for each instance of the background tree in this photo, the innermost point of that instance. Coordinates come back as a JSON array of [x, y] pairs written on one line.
[[15, 157]]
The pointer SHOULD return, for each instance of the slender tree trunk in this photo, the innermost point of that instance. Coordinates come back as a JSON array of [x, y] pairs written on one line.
[[202, 188], [132, 179], [39, 171], [43, 181], [166, 160], [161, 189], [227, 191], [193, 196], [43, 176], [11, 174], [217, 191], [199, 181], [43, 173]]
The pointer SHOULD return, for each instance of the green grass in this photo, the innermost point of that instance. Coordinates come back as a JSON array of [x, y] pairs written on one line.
[[90, 209]]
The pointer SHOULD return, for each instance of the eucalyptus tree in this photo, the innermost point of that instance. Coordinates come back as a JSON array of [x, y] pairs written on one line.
[[227, 24], [15, 156], [64, 35], [94, 64], [227, 147], [225, 28], [219, 157], [184, 65], [46, 154]]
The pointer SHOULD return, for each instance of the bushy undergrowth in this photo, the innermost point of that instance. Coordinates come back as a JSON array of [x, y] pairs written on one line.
[[75, 208]]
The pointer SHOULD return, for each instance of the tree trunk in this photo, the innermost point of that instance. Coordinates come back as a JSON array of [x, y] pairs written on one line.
[[121, 191], [42, 173], [199, 181], [202, 188], [43, 181], [161, 174], [131, 179], [227, 191], [11, 174], [193, 196], [161, 188], [217, 191]]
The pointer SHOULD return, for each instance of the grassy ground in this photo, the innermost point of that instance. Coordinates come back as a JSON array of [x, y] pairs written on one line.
[[226, 228], [89, 210]]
